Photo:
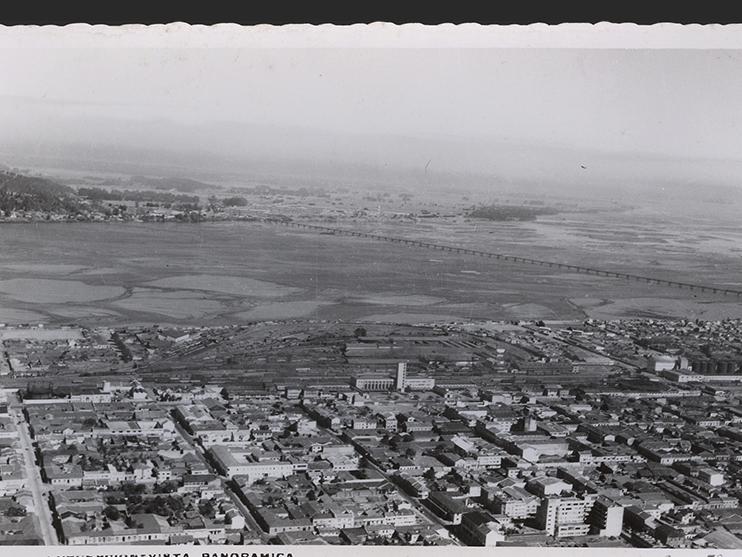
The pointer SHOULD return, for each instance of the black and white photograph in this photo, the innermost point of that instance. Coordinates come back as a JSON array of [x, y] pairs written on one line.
[[374, 286]]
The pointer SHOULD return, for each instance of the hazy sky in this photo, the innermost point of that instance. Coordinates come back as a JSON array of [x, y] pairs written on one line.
[[681, 103]]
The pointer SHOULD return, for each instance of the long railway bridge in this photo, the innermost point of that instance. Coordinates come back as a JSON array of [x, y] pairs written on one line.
[[513, 258]]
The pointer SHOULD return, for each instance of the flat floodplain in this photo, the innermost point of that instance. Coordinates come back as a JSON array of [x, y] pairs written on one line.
[[233, 272], [39, 290]]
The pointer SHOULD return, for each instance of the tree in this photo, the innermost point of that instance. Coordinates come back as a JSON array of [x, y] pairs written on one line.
[[169, 486], [15, 511], [130, 488], [206, 508], [359, 332], [111, 513], [234, 201]]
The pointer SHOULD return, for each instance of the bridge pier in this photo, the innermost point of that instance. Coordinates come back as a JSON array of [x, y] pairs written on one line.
[[510, 258]]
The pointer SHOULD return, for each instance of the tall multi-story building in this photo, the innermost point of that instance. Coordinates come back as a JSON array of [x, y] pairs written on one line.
[[401, 379], [606, 518], [565, 516]]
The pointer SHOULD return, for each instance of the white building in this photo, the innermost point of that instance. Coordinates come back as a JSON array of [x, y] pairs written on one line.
[[241, 463], [562, 517]]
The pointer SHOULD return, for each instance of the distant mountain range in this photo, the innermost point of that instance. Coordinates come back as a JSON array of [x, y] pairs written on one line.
[[246, 155], [185, 185]]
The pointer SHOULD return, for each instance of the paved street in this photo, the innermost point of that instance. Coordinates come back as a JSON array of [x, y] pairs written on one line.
[[36, 485]]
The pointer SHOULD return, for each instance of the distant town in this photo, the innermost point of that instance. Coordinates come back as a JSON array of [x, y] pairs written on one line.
[[26, 197], [524, 433]]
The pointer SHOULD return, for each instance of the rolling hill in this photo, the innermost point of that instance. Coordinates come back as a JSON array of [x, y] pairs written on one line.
[[30, 193]]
